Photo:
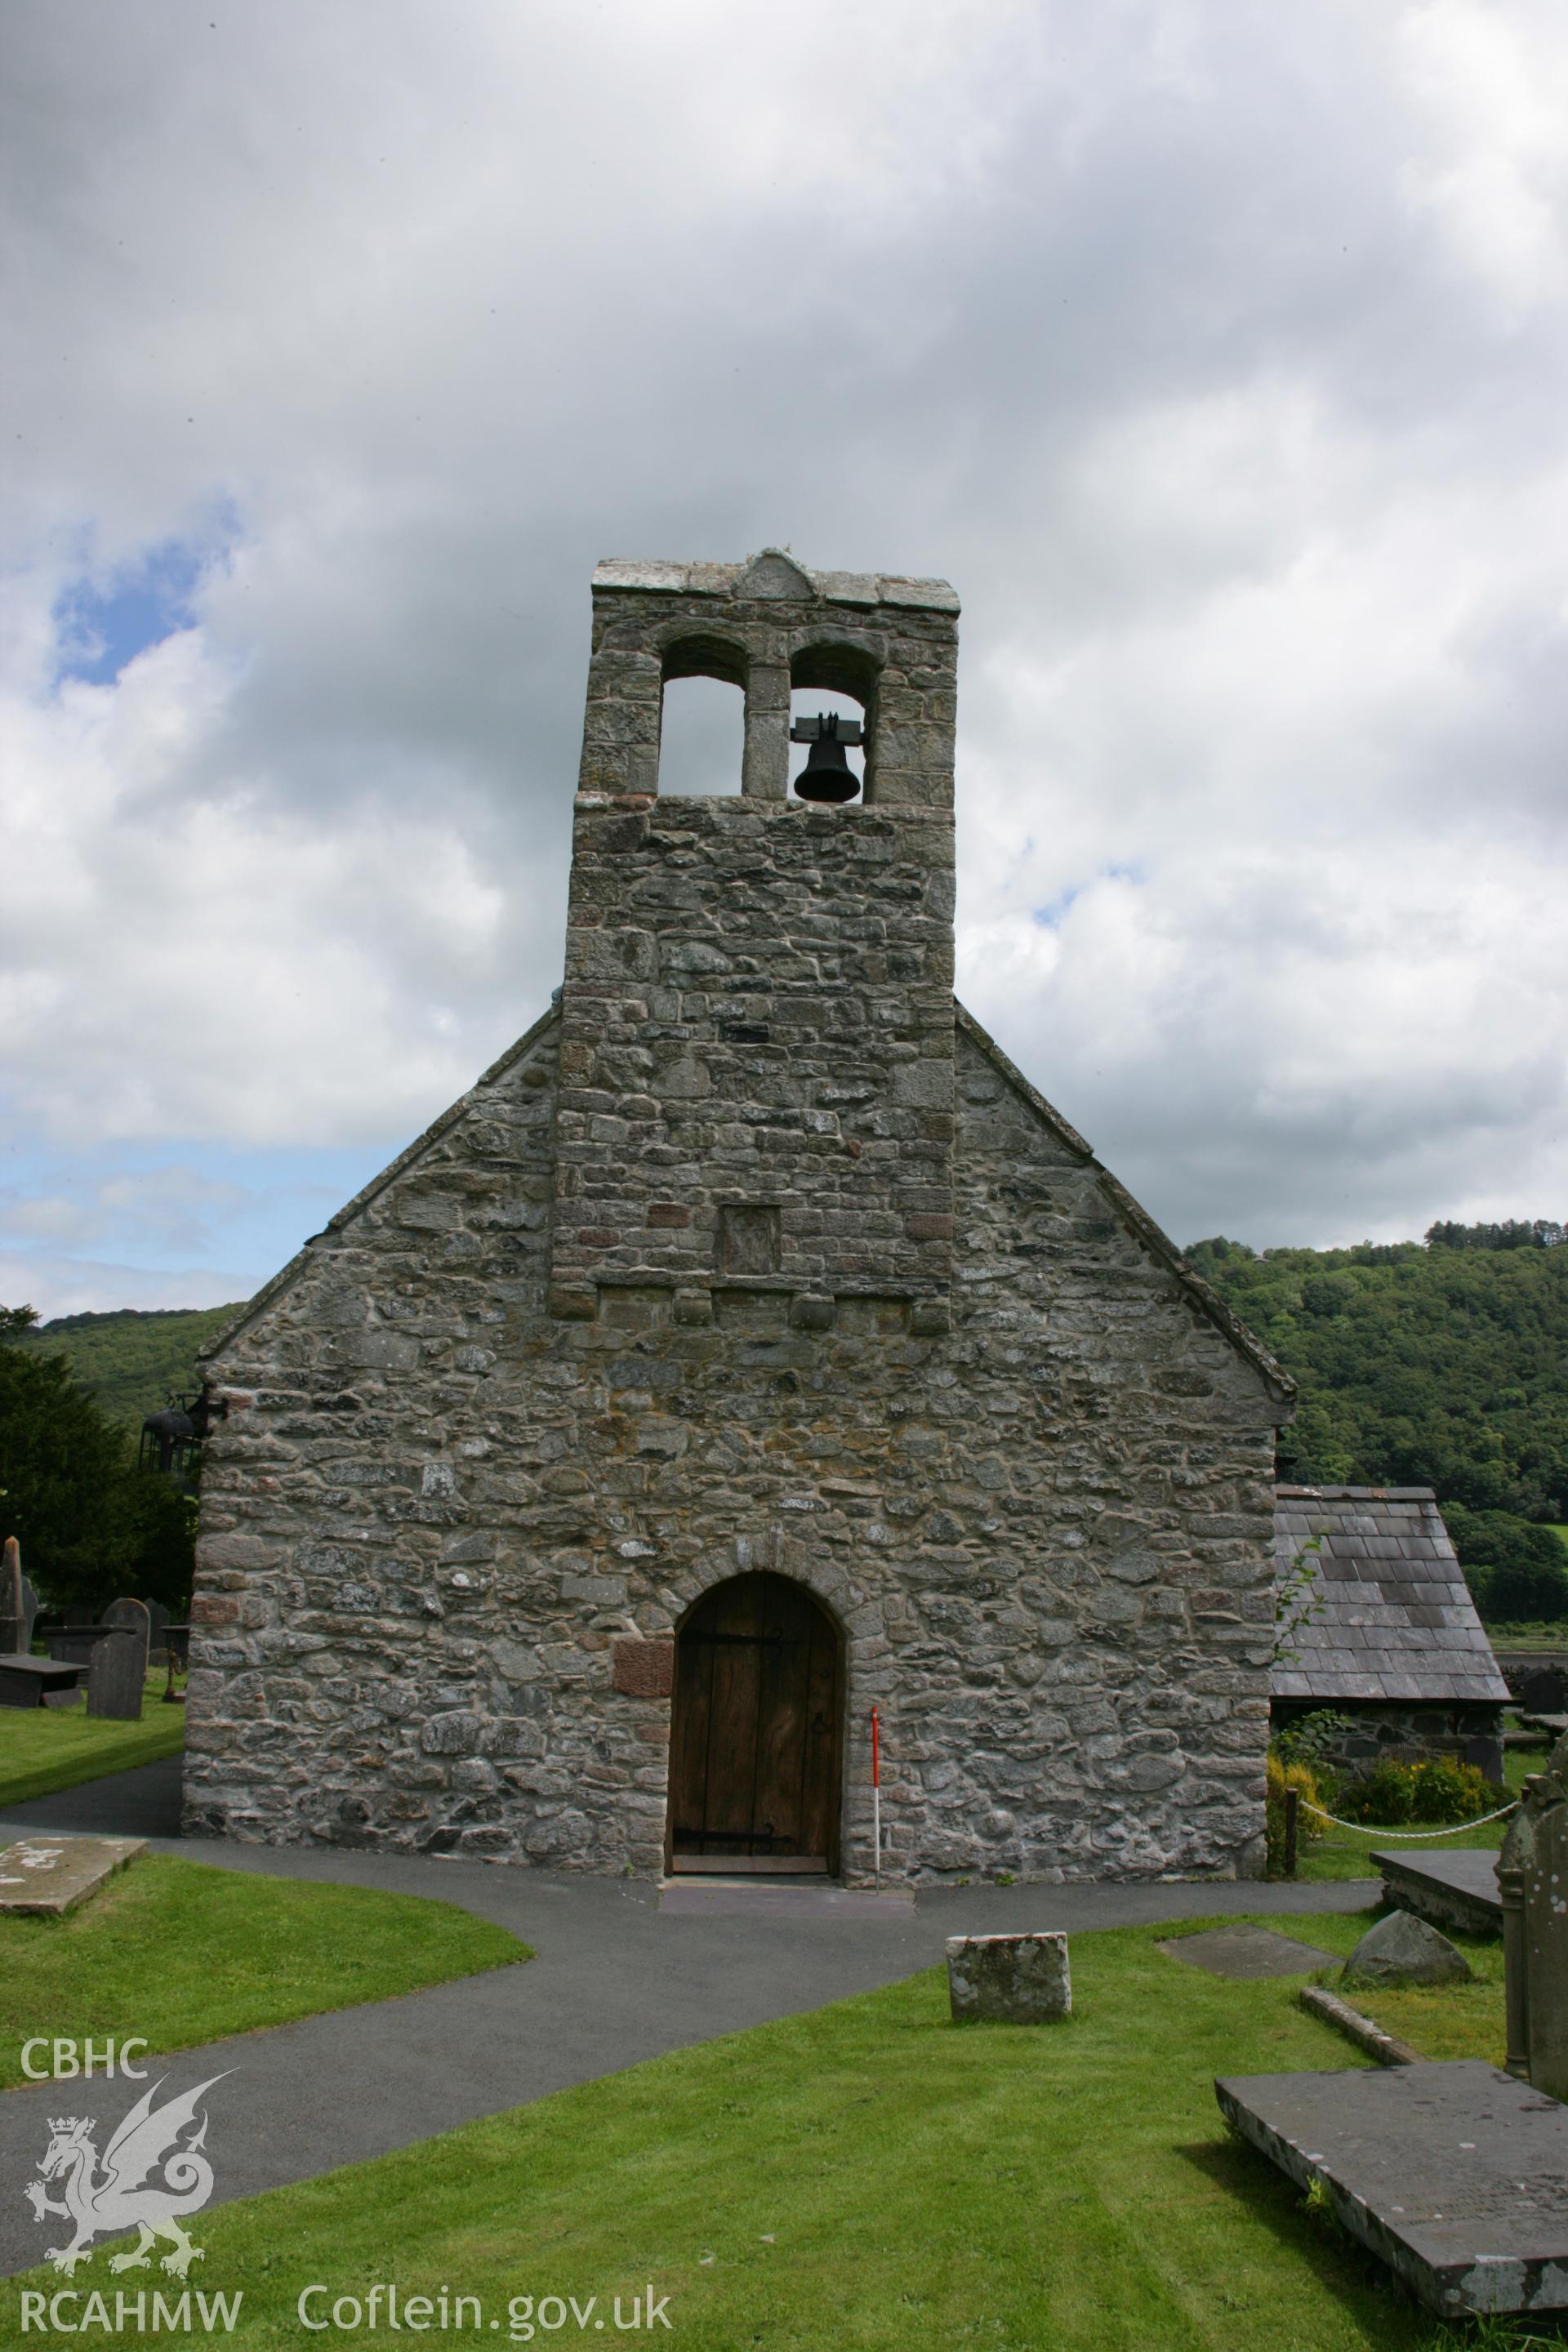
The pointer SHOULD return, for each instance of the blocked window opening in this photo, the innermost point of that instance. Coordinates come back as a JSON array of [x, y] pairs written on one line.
[[702, 735], [818, 701]]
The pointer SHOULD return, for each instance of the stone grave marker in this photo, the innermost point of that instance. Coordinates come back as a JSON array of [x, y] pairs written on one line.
[[157, 1618], [116, 1673], [1542, 1692], [1405, 1950], [29, 1611], [12, 1624], [1011, 1979], [132, 1617], [1453, 2173], [1453, 1890], [44, 1877], [1239, 1950], [1533, 1874]]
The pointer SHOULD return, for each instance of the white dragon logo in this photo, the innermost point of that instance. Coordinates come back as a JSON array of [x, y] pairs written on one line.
[[122, 2196]]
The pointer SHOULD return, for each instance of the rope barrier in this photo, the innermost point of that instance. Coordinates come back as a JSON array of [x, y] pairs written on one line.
[[1308, 1806]]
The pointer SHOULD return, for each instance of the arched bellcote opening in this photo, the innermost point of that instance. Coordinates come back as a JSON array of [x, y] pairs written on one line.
[[831, 679], [756, 1739], [702, 715]]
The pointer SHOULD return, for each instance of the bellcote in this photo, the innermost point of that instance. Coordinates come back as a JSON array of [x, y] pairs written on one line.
[[768, 625], [756, 1096]]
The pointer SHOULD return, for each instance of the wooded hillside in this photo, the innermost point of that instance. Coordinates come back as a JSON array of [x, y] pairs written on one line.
[[130, 1360], [1419, 1365]]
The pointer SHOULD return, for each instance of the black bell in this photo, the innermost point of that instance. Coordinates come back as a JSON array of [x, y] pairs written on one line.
[[826, 775]]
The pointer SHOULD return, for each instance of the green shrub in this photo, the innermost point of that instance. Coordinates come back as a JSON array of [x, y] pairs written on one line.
[[1437, 1789], [1382, 1798], [1449, 1791], [1311, 1739]]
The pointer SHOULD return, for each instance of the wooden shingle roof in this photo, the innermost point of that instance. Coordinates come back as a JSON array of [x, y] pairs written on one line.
[[1385, 1612]]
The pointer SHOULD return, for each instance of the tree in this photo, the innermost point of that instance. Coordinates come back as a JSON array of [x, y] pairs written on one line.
[[1517, 1572], [90, 1524], [1441, 1366]]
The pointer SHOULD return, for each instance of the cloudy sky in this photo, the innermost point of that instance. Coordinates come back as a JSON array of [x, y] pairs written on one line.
[[1215, 353]]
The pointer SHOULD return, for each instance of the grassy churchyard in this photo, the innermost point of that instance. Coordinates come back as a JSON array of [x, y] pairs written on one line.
[[180, 1953], [44, 1748], [867, 2178], [871, 2177]]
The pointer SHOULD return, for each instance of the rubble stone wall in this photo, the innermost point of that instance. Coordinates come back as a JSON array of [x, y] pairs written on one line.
[[433, 1509]]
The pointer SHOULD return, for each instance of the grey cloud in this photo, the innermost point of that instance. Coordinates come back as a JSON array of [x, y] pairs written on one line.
[[1195, 343]]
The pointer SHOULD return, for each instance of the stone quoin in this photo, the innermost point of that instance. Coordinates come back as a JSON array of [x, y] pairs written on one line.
[[752, 1347]]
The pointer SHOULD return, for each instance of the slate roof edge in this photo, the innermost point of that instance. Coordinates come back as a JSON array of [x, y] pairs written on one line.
[[1136, 1219], [1362, 1493], [368, 1193]]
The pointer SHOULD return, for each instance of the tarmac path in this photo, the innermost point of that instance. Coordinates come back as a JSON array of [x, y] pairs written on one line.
[[621, 1975]]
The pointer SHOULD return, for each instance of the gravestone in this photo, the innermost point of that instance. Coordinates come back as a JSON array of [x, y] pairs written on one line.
[[116, 1674], [1011, 1979], [74, 1645], [45, 1878], [1544, 1691], [13, 1623], [29, 1611], [1402, 1949], [1453, 1890], [38, 1681], [157, 1618], [1243, 1951], [1533, 1872], [1451, 2172], [132, 1617]]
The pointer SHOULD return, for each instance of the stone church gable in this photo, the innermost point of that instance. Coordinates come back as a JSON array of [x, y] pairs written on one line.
[[496, 1126], [1029, 1170], [750, 1347]]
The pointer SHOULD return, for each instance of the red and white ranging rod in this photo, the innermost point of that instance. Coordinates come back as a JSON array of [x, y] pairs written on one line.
[[877, 1798]]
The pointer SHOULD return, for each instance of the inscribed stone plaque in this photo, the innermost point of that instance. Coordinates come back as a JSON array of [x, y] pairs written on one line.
[[644, 1669], [749, 1239], [43, 1877], [115, 1674]]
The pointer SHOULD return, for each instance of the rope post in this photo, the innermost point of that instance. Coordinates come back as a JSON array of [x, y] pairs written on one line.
[[1292, 1824]]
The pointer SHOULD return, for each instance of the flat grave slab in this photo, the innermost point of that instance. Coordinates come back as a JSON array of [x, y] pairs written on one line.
[[1454, 2174], [34, 1682], [1243, 1951], [1447, 1890], [44, 1877]]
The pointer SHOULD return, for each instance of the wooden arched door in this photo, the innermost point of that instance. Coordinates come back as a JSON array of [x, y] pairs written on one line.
[[755, 1740]]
